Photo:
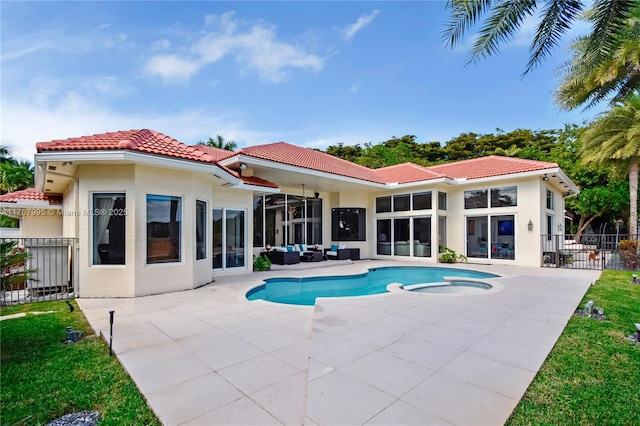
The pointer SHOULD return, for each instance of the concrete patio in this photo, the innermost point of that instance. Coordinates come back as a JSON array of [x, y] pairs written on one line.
[[210, 357]]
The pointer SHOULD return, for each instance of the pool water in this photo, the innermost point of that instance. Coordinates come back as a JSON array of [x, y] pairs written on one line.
[[303, 291], [454, 287]]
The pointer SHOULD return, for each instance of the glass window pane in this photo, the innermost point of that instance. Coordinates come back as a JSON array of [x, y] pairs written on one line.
[[422, 237], [164, 222], [401, 240], [217, 238], [478, 236], [201, 229], [549, 200], [258, 222], [109, 216], [274, 206], [422, 201], [348, 224], [314, 221], [235, 238], [401, 203], [384, 236], [504, 197], [477, 199], [442, 200], [503, 245], [383, 204]]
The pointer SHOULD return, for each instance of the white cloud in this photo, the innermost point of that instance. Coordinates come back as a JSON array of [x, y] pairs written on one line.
[[256, 48], [72, 114], [171, 68], [19, 53], [350, 30]]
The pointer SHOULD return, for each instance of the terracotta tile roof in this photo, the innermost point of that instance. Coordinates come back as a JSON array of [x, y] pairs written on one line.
[[216, 154], [407, 172], [29, 195], [284, 153], [147, 141], [491, 165], [255, 180]]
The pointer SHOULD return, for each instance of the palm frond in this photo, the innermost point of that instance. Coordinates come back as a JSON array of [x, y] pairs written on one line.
[[506, 18], [464, 14], [609, 19], [557, 19]]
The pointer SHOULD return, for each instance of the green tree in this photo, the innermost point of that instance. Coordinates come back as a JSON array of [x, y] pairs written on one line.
[[346, 152], [590, 77], [220, 142], [507, 16], [15, 175], [614, 138]]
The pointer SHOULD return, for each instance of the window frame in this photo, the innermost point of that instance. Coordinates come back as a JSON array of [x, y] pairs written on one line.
[[96, 214], [338, 213], [178, 256]]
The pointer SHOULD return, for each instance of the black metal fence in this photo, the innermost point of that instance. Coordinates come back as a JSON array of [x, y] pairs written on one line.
[[54, 276], [590, 251]]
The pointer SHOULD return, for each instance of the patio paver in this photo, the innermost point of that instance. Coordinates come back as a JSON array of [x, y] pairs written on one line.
[[210, 357]]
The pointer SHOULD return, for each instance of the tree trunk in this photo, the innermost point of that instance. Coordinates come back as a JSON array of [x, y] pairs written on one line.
[[633, 198]]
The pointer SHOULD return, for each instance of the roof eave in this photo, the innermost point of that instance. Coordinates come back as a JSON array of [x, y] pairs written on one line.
[[139, 158], [241, 158]]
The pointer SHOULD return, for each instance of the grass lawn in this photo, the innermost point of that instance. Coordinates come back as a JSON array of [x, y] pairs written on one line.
[[592, 375], [43, 379]]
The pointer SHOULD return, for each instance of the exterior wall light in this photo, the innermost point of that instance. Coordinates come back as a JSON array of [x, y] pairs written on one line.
[[530, 225], [545, 178]]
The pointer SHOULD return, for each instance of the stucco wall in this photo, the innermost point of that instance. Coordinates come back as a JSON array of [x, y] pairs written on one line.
[[48, 225], [105, 280]]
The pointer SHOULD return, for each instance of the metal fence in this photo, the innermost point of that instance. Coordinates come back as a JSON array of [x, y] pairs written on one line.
[[55, 271], [590, 251]]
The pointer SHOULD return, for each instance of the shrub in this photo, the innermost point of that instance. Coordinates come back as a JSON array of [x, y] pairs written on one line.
[[628, 251], [262, 263], [450, 256]]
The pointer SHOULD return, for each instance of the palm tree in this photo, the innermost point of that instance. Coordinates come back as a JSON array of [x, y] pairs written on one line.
[[614, 138], [590, 77], [506, 17], [219, 142], [15, 175]]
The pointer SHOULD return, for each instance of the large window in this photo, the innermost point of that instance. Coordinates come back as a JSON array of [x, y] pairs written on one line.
[[201, 229], [286, 219], [348, 224], [164, 228], [109, 214], [228, 238], [491, 236]]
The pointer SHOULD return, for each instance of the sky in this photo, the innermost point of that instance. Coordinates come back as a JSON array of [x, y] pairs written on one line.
[[308, 73]]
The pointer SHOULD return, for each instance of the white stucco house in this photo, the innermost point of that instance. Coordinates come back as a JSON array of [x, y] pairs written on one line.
[[155, 215]]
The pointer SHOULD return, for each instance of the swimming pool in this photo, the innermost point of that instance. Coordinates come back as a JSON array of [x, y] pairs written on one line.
[[303, 291]]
